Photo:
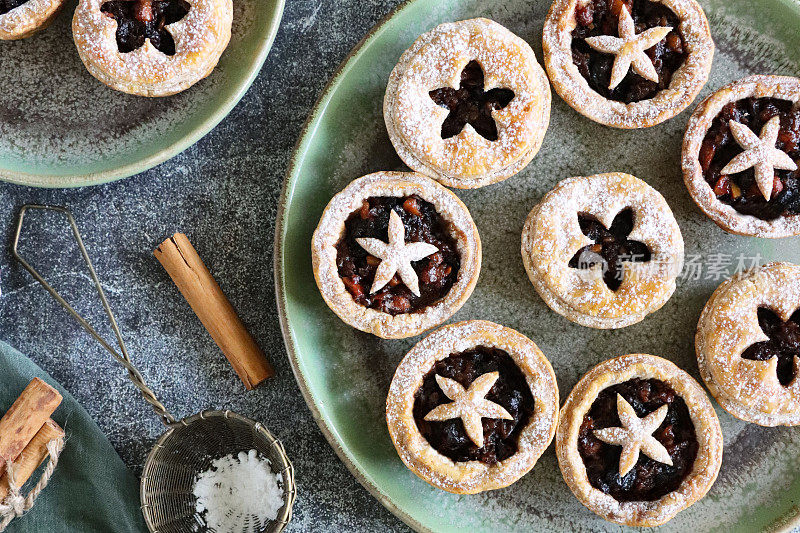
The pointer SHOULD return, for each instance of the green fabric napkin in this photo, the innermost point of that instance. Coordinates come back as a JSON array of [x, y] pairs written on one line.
[[91, 490]]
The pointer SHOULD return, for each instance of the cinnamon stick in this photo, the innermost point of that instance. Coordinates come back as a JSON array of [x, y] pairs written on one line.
[[184, 266], [25, 418], [31, 457]]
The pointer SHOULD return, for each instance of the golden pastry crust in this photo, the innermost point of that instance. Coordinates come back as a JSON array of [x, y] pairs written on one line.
[[29, 18], [686, 82], [331, 228], [472, 476], [749, 389], [552, 236], [724, 215], [200, 39], [436, 60], [707, 429]]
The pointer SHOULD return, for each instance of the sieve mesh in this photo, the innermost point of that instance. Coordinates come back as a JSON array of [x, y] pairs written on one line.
[[189, 445], [188, 448]]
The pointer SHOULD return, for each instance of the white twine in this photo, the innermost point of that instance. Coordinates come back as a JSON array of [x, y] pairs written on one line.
[[15, 504]]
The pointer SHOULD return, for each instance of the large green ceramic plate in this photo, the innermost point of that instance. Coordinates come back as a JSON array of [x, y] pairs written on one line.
[[345, 374], [59, 127]]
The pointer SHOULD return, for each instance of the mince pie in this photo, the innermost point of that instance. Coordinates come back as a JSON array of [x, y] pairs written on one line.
[[741, 153], [468, 104], [151, 47], [395, 253], [638, 441], [23, 18], [748, 345], [472, 407], [627, 63], [603, 250]]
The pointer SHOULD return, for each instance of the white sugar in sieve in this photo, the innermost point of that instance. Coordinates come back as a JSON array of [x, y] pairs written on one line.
[[189, 446]]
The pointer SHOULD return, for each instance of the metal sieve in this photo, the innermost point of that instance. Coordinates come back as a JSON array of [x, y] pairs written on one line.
[[189, 445]]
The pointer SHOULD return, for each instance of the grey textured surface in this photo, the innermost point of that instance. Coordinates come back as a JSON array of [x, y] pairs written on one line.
[[223, 194]]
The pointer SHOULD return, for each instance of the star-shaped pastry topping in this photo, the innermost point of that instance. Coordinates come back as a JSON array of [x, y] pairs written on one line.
[[635, 435], [470, 405], [396, 256], [759, 153], [629, 48]]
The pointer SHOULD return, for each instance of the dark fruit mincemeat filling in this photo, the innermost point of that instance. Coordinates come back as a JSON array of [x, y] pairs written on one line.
[[437, 273], [8, 5], [601, 17], [783, 343], [740, 190], [511, 391], [138, 20], [469, 104], [649, 480], [611, 247]]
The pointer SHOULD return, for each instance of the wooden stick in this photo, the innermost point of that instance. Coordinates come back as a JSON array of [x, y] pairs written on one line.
[[31, 457], [184, 266], [25, 418]]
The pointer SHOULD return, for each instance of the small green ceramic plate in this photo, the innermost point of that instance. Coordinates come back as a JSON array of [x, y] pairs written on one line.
[[59, 127], [345, 374]]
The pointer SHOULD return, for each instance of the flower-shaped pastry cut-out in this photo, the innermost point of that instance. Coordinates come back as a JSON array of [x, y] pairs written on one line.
[[760, 154], [396, 256], [470, 104], [636, 435], [629, 48], [611, 247], [782, 349], [140, 20], [470, 405]]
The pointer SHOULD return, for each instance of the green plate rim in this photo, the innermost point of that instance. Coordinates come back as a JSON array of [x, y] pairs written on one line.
[[300, 148], [783, 524], [197, 132]]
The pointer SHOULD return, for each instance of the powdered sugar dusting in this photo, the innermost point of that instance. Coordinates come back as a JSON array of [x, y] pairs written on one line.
[[472, 476], [759, 86], [552, 236], [61, 117], [573, 87], [330, 231], [28, 18], [706, 425], [200, 38], [749, 389], [238, 494], [436, 60], [760, 465]]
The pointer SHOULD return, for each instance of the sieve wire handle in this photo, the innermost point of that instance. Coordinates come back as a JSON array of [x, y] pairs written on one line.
[[123, 359]]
